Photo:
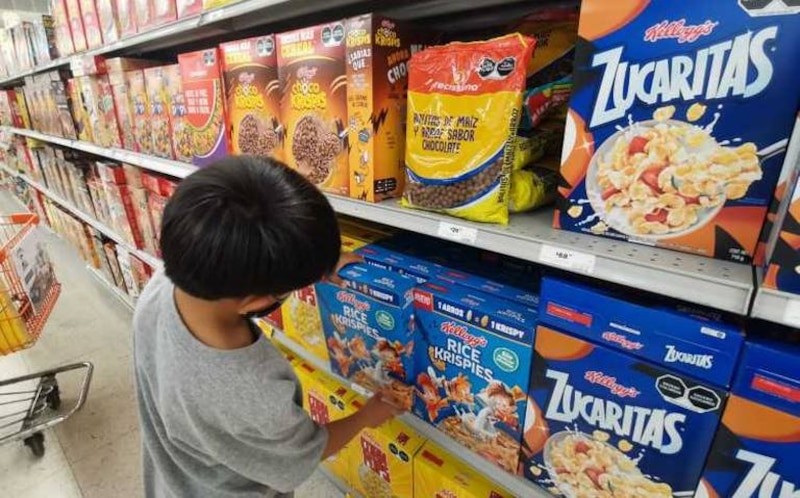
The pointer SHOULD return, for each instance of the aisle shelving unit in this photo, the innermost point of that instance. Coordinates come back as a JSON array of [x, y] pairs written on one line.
[[115, 291], [777, 307]]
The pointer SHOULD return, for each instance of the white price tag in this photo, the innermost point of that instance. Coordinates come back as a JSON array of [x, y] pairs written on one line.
[[363, 391], [791, 314], [459, 233], [567, 258]]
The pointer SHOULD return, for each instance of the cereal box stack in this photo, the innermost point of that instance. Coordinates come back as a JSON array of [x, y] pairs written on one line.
[[659, 146], [624, 398], [437, 473], [252, 96], [125, 103], [91, 23], [95, 87], [176, 106], [368, 329], [473, 360], [756, 447], [76, 25], [378, 50], [62, 28], [155, 81], [205, 109], [108, 18], [311, 65]]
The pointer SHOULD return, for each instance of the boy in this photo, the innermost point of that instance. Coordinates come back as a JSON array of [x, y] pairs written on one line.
[[220, 407]]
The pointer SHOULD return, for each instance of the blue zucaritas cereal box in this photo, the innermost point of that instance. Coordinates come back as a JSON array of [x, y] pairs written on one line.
[[756, 448], [473, 362], [679, 120], [624, 401], [369, 330]]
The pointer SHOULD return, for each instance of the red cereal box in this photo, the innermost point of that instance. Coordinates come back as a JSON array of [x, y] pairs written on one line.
[[156, 205], [91, 24], [142, 212], [160, 133], [109, 25], [188, 8], [141, 110], [205, 110], [176, 104], [76, 25], [164, 11], [126, 18]]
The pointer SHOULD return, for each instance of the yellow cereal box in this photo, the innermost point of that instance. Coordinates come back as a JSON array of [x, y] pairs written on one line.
[[342, 402], [384, 459], [438, 474]]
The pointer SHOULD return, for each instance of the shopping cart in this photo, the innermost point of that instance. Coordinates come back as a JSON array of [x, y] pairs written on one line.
[[28, 293]]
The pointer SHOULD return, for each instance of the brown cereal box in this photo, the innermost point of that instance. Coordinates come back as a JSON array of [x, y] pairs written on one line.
[[252, 95], [378, 50], [160, 133], [76, 25], [311, 66], [91, 23], [126, 18], [109, 24], [141, 110], [176, 104]]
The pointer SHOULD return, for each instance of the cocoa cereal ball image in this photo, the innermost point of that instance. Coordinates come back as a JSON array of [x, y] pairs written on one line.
[[255, 138], [453, 194], [314, 148]]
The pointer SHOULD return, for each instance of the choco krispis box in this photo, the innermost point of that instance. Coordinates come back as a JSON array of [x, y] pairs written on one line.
[[756, 446], [624, 399], [369, 331], [678, 122], [473, 361]]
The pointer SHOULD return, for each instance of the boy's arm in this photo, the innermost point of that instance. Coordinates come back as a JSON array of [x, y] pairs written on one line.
[[374, 413]]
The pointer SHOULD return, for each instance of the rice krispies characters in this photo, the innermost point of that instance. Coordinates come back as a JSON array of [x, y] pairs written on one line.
[[472, 361], [369, 329], [678, 122]]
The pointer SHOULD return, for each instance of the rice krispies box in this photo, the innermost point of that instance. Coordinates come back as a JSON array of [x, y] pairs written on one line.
[[369, 331], [311, 66], [624, 399], [678, 122], [252, 96], [473, 361], [756, 446]]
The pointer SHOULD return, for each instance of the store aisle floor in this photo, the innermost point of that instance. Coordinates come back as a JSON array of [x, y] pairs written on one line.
[[95, 453]]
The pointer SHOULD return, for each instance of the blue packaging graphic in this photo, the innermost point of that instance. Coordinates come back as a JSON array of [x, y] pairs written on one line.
[[756, 448], [473, 364], [369, 329]]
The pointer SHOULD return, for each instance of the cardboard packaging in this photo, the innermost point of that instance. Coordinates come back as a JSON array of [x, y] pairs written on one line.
[[176, 104], [141, 111], [438, 473], [126, 16], [188, 8], [108, 18], [62, 28], [158, 99], [91, 24], [76, 25]]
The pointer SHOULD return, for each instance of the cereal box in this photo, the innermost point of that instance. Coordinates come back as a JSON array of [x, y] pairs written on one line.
[[107, 16], [62, 28], [439, 474], [383, 460], [756, 446], [99, 106], [368, 329], [311, 65], [176, 105], [123, 104], [657, 150], [213, 4], [205, 108], [378, 50], [158, 98], [91, 24], [76, 25], [473, 359], [164, 11], [252, 96], [126, 17], [636, 391], [143, 13], [141, 111], [188, 8]]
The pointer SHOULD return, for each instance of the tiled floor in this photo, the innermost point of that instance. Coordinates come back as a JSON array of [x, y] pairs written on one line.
[[95, 453]]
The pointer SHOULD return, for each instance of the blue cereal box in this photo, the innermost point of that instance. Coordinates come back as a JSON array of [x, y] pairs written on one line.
[[369, 331], [755, 451], [473, 362], [679, 121], [415, 268]]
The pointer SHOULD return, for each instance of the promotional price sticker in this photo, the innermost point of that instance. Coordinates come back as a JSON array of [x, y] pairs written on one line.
[[567, 259], [458, 233]]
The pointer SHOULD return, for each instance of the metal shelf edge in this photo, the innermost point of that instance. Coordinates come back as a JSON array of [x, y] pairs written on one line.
[[777, 307], [122, 297]]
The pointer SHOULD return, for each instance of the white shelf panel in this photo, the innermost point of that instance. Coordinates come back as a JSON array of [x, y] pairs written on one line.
[[777, 306], [516, 485], [116, 291]]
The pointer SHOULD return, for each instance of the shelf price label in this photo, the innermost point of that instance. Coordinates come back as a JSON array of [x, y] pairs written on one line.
[[791, 314], [458, 233], [567, 259]]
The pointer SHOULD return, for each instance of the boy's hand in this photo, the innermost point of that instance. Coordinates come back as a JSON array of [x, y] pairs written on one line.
[[377, 410], [346, 258]]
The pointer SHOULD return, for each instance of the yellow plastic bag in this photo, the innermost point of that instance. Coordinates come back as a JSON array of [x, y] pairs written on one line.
[[532, 188]]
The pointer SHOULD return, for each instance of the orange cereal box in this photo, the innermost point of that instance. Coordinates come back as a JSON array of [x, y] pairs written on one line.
[[311, 66], [176, 102], [378, 50], [252, 96], [91, 24], [160, 133], [141, 110], [438, 474]]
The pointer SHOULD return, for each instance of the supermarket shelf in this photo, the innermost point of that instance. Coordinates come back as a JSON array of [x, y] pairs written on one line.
[[116, 291], [341, 486], [108, 232], [516, 485], [778, 307]]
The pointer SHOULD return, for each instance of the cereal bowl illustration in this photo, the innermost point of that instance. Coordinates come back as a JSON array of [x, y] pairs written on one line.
[[582, 465], [665, 178]]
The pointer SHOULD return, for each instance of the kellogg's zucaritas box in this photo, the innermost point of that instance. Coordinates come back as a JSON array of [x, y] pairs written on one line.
[[473, 363], [756, 447], [678, 122], [624, 398]]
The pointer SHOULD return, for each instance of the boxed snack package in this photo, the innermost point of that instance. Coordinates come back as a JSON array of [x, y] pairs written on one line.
[[378, 50], [473, 360], [91, 24], [188, 8], [108, 18], [100, 110], [439, 474], [62, 28], [141, 272], [76, 25], [124, 104], [164, 11], [655, 151], [368, 329], [156, 205], [131, 285], [205, 108], [463, 111], [637, 390], [176, 103], [141, 110], [383, 463], [158, 100], [110, 250], [311, 65], [143, 13], [126, 17], [252, 96], [755, 448]]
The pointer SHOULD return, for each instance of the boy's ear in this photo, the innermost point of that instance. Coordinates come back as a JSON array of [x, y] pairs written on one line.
[[252, 304]]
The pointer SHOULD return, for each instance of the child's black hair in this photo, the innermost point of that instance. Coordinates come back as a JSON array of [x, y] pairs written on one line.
[[247, 226]]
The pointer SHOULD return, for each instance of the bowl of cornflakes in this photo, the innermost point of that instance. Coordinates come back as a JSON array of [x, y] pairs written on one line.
[[666, 178]]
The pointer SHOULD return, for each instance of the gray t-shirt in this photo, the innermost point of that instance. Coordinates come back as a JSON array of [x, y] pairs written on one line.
[[216, 423]]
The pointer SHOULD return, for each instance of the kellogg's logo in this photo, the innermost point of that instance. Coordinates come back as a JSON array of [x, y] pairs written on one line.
[[678, 30], [705, 361], [351, 299], [462, 332], [622, 341], [611, 384]]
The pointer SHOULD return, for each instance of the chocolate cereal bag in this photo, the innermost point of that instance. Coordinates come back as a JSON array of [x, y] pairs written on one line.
[[463, 110]]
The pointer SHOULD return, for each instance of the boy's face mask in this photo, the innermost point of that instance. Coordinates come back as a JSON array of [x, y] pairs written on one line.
[[267, 310]]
